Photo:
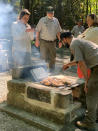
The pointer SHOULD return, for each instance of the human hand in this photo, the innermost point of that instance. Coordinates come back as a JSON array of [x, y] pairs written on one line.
[[60, 44], [30, 30], [37, 43], [65, 67]]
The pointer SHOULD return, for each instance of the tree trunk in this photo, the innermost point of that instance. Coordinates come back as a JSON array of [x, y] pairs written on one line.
[[90, 8], [31, 11], [59, 10], [86, 8], [96, 7], [26, 4], [21, 4]]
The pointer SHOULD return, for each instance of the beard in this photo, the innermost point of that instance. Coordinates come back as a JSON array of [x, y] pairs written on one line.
[[67, 45]]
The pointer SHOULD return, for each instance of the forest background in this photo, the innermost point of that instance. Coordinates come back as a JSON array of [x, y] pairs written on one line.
[[67, 11]]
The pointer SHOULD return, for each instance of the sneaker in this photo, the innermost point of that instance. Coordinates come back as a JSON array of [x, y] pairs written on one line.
[[83, 125]]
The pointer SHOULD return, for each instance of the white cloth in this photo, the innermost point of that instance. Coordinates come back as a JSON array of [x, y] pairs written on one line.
[[21, 38], [90, 34]]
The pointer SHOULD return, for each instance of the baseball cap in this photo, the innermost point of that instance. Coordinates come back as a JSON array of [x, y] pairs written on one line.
[[50, 9]]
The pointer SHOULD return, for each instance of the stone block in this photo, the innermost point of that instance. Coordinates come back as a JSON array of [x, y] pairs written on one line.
[[61, 99], [16, 86], [54, 115], [49, 114], [39, 94], [47, 102], [15, 99]]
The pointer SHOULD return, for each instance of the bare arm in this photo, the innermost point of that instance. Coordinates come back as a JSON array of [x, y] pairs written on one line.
[[82, 66], [73, 63], [58, 36], [37, 39]]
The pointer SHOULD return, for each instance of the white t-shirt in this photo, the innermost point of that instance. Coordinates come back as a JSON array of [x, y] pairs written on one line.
[[21, 38]]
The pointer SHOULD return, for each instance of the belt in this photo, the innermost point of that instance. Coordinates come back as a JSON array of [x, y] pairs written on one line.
[[48, 40]]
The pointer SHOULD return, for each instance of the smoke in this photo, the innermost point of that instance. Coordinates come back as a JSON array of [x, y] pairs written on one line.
[[7, 16]]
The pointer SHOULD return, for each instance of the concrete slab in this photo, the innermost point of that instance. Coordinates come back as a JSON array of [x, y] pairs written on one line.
[[31, 119]]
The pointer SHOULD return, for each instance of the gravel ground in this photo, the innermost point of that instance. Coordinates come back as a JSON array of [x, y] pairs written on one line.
[[8, 123]]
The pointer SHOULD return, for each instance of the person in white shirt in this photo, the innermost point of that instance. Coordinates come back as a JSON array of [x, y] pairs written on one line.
[[91, 33], [21, 49]]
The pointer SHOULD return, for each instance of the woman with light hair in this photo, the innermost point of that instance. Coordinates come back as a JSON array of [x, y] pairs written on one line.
[[91, 33]]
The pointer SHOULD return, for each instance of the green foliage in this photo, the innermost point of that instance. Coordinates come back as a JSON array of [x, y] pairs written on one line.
[[67, 11]]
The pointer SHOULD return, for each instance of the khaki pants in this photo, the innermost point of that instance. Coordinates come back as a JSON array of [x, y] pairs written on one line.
[[92, 97], [48, 52]]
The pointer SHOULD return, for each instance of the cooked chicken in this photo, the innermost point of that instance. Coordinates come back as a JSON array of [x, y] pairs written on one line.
[[53, 81], [57, 82], [46, 82]]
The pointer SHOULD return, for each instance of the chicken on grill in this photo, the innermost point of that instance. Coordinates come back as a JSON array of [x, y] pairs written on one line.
[[53, 81]]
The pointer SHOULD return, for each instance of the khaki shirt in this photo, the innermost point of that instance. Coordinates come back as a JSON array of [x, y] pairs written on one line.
[[21, 38], [86, 51], [90, 34], [77, 30], [48, 28]]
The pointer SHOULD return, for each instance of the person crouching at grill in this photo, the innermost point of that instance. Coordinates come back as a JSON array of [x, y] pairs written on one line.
[[86, 56]]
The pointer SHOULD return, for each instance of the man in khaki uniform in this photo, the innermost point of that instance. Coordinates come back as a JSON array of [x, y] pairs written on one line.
[[48, 29], [78, 29]]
